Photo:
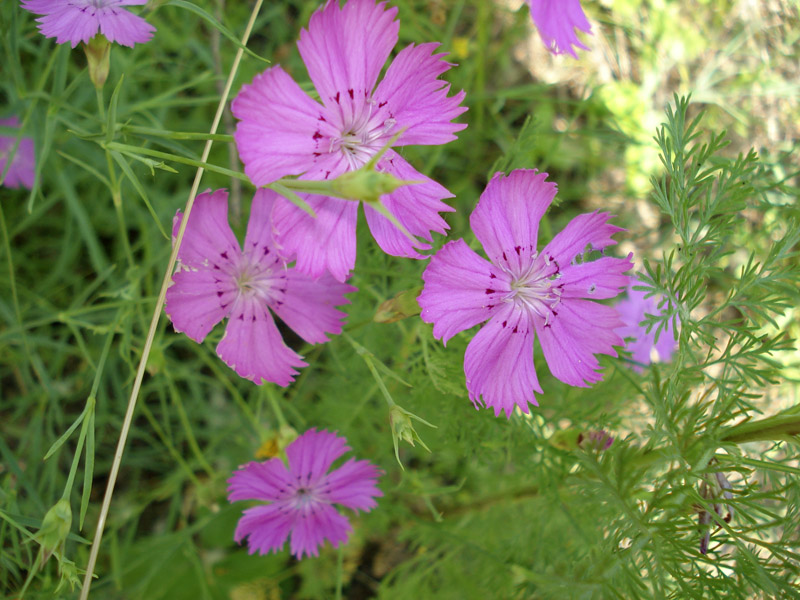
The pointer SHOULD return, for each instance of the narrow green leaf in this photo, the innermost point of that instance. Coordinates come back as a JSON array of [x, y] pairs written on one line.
[[111, 121], [126, 168]]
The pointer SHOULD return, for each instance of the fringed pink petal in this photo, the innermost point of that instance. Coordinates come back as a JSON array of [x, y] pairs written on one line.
[[596, 280], [344, 50], [557, 21], [69, 24], [281, 130], [506, 220], [499, 366], [253, 347], [312, 454], [123, 27], [259, 242], [265, 527], [416, 207], [324, 243], [22, 171], [461, 290], [208, 242], [268, 481], [353, 485], [412, 94], [579, 330], [589, 229], [308, 306], [198, 300], [315, 523]]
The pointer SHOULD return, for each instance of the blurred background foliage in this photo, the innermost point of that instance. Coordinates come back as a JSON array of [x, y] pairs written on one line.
[[497, 508]]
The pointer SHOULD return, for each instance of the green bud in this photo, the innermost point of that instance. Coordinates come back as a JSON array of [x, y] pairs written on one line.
[[98, 53], [366, 184], [403, 429], [69, 575], [403, 305], [55, 528]]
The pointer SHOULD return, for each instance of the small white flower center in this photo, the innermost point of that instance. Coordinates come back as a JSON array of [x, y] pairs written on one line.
[[253, 279], [537, 289], [362, 136], [305, 498]]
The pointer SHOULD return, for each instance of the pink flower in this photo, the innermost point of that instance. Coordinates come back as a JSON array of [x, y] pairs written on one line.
[[216, 279], [79, 20], [633, 310], [557, 21], [282, 131], [22, 170], [524, 294], [303, 495]]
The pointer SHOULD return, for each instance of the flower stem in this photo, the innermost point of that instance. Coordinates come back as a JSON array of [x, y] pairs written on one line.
[[774, 428], [276, 407], [123, 436]]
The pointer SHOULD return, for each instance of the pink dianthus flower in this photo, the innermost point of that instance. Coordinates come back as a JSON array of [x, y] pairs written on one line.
[[302, 496], [641, 344], [77, 21], [282, 131], [524, 294], [22, 170], [557, 21], [216, 279]]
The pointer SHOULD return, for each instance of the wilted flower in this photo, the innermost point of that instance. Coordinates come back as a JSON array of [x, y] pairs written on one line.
[[524, 293], [22, 170], [302, 496], [557, 21], [77, 21], [216, 279], [283, 131]]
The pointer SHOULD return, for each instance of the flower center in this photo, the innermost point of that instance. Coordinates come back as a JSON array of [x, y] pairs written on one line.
[[253, 279], [362, 136], [537, 289], [305, 497]]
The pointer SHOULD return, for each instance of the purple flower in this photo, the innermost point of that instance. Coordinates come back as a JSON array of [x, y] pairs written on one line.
[[216, 279], [282, 131], [303, 495], [557, 21], [524, 294], [633, 310], [79, 20], [22, 170]]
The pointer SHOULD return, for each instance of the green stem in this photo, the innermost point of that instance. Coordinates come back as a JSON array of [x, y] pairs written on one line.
[[769, 429], [276, 407], [176, 135], [31, 574], [339, 571], [200, 164], [157, 310], [101, 106], [365, 354]]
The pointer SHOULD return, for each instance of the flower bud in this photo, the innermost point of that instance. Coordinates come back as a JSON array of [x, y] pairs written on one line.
[[366, 184], [403, 428], [403, 305], [276, 444], [98, 53], [595, 440], [55, 528]]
